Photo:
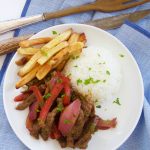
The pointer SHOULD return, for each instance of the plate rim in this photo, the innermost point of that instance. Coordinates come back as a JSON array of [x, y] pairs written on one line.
[[118, 41]]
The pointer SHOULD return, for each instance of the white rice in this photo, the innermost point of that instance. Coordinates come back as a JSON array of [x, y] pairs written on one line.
[[98, 67]]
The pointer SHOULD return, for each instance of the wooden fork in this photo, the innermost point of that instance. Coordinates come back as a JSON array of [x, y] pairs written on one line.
[[98, 5]]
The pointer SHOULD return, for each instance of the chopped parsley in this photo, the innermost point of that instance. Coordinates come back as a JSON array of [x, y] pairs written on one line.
[[98, 106], [98, 55], [107, 72], [75, 57], [69, 75], [46, 96], [44, 53], [116, 101], [90, 68], [54, 32], [75, 66], [62, 96], [59, 81], [60, 107], [67, 121], [104, 81], [79, 81], [90, 81], [121, 55]]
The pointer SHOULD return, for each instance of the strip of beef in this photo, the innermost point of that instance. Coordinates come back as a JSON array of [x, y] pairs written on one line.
[[76, 130], [62, 142], [46, 130], [26, 103], [89, 129], [35, 130]]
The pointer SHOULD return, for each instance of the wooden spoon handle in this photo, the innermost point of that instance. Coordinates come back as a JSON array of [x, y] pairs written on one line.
[[11, 44], [69, 11]]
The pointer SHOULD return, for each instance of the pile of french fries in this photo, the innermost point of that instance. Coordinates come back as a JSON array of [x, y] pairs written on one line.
[[38, 62]]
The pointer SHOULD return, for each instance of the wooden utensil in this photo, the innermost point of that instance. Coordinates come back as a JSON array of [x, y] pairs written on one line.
[[98, 5], [9, 45]]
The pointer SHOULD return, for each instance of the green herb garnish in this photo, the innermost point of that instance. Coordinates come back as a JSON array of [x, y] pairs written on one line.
[[79, 81], [69, 75], [62, 96], [54, 32], [44, 53], [98, 106], [90, 68], [60, 107], [98, 55], [116, 101], [76, 66], [59, 81], [104, 81], [107, 72], [46, 96], [121, 55], [67, 121], [75, 57], [90, 81]]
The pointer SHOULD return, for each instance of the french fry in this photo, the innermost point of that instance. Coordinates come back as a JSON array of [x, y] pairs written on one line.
[[61, 66], [30, 64], [74, 38], [58, 39], [28, 77], [52, 52], [27, 51], [22, 61], [28, 43], [58, 58], [82, 38]]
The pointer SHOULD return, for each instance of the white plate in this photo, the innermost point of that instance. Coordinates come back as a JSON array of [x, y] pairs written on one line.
[[130, 94]]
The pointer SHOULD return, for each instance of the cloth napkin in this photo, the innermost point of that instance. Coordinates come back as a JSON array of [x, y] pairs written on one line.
[[134, 37]]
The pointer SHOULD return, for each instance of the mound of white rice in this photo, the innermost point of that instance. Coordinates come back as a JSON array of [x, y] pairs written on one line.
[[95, 73]]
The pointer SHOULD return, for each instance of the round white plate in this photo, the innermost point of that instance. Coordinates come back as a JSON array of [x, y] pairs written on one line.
[[130, 94]]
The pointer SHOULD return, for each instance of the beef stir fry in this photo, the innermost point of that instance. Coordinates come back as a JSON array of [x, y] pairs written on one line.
[[58, 112]]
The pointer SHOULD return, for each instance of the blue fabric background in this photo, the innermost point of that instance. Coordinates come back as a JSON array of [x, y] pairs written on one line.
[[140, 138]]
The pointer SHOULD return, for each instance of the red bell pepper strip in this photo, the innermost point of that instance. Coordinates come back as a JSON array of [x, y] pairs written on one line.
[[52, 136], [21, 97], [67, 90], [37, 93], [33, 110], [45, 109]]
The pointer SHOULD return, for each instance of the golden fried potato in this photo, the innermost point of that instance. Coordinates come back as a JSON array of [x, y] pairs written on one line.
[[27, 51], [29, 43], [22, 61], [73, 38]]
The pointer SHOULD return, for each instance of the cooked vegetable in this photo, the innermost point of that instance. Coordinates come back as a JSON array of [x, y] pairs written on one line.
[[51, 52], [55, 133], [67, 90], [28, 77], [22, 61], [27, 51], [82, 38], [58, 39], [21, 97], [28, 43], [33, 110], [54, 93], [29, 123], [74, 38], [69, 115], [30, 64]]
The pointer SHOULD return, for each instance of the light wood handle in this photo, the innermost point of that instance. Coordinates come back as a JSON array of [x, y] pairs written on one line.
[[11, 44], [69, 11]]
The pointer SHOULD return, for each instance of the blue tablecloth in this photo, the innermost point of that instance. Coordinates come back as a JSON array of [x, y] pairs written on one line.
[[135, 38]]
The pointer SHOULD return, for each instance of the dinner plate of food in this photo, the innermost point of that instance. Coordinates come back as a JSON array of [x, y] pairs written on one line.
[[73, 86]]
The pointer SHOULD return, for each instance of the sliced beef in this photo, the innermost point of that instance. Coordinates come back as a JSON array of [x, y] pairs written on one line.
[[46, 130], [35, 130], [62, 142], [89, 129], [78, 127], [26, 103], [70, 141]]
